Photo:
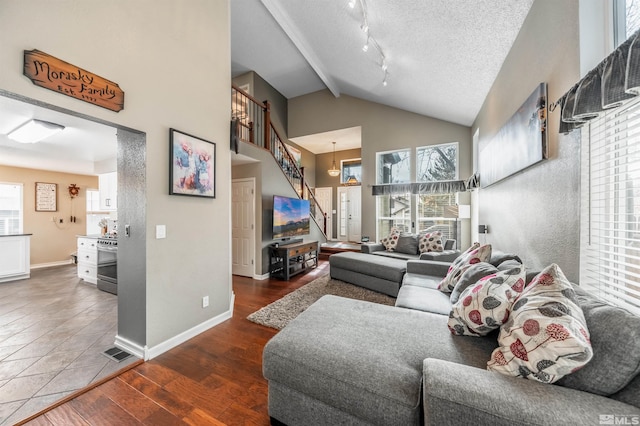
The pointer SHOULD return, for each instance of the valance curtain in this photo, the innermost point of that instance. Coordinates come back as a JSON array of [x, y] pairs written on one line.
[[614, 80], [446, 187]]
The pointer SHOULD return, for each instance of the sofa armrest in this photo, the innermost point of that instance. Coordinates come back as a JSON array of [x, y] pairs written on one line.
[[441, 256], [460, 394], [371, 247], [428, 267]]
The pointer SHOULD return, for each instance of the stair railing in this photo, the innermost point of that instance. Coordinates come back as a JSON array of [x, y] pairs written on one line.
[[255, 127]]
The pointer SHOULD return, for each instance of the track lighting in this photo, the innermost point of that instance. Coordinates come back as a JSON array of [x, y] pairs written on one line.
[[370, 40]]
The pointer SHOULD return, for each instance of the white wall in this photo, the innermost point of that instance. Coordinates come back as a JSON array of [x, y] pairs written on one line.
[[172, 59]]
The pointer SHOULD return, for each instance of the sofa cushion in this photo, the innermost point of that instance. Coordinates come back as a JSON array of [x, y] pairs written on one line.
[[484, 306], [391, 241], [546, 336], [379, 266], [364, 358], [471, 276], [474, 254], [424, 299], [430, 242], [615, 339], [407, 243], [419, 280], [396, 255]]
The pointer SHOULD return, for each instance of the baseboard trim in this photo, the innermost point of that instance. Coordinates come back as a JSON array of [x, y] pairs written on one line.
[[49, 264], [133, 348], [261, 277], [188, 334]]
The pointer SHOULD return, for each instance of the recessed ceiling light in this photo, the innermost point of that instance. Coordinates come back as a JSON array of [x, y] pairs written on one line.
[[34, 131]]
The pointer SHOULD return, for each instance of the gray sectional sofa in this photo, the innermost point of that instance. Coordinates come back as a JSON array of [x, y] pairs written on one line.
[[345, 361]]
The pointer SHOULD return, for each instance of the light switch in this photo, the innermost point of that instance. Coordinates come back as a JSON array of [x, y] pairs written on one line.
[[161, 231]]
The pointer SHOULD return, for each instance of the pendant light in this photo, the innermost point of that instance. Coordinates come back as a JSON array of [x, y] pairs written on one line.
[[334, 171]]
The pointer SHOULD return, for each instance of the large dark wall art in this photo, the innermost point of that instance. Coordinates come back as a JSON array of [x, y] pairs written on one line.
[[520, 143]]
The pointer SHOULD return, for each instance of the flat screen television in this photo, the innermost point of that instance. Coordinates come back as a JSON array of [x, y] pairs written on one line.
[[290, 217]]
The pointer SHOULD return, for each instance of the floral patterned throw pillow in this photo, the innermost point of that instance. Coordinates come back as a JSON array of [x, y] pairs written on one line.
[[485, 305], [546, 336], [390, 242], [431, 241], [474, 254]]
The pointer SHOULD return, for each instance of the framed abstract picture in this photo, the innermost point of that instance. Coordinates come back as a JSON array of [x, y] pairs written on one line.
[[520, 143], [192, 165]]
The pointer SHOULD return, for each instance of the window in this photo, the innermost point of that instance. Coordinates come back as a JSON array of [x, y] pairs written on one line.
[[610, 206], [417, 213], [433, 164], [11, 208], [626, 19], [351, 168], [394, 167], [93, 211], [393, 210], [437, 163]]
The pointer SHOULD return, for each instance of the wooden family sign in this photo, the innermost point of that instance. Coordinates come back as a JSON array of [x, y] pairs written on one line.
[[54, 74]]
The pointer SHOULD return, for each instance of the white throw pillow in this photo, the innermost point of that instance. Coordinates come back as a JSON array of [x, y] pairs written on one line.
[[546, 336], [390, 242], [431, 241], [474, 254], [485, 305]]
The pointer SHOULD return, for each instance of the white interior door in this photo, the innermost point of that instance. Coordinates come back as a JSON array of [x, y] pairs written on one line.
[[355, 213], [243, 227], [324, 196]]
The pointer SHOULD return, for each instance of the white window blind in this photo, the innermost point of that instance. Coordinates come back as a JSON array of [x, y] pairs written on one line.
[[610, 206], [10, 208]]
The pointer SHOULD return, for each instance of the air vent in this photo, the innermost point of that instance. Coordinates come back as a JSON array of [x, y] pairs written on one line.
[[116, 354]]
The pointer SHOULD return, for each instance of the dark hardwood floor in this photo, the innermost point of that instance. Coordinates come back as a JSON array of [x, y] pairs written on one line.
[[213, 379]]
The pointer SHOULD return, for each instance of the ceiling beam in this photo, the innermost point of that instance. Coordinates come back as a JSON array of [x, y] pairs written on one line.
[[301, 44]]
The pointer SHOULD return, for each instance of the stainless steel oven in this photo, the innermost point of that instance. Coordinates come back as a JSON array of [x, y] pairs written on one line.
[[108, 264]]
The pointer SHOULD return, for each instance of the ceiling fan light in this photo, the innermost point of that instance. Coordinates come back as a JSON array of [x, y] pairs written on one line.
[[34, 131]]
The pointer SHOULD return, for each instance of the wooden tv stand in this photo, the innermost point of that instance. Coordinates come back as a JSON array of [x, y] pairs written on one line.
[[288, 260]]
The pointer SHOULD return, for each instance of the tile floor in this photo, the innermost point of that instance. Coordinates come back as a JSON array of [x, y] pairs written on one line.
[[53, 330]]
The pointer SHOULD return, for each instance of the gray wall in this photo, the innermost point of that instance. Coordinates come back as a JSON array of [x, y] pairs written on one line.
[[270, 181], [536, 212], [383, 128]]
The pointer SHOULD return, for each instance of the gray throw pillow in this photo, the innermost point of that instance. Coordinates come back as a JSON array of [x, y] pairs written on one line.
[[407, 243], [470, 277], [497, 257], [615, 340]]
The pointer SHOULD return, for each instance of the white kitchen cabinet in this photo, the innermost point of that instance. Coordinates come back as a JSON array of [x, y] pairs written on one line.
[[88, 259], [108, 183], [15, 257]]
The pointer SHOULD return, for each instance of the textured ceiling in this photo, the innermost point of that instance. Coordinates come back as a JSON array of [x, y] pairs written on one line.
[[442, 55]]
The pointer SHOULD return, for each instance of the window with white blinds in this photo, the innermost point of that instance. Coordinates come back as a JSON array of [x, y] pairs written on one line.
[[610, 206], [10, 208]]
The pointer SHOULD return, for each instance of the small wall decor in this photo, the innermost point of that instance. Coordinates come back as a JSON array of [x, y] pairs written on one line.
[[74, 190], [192, 165], [520, 143], [46, 197]]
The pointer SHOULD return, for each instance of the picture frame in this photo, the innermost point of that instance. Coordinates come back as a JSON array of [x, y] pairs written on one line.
[[520, 143], [192, 165], [46, 197]]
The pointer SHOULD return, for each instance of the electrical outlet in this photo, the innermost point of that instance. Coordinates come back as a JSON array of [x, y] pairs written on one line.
[[205, 301]]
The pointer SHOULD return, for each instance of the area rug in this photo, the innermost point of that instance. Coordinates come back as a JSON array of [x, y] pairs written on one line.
[[279, 313]]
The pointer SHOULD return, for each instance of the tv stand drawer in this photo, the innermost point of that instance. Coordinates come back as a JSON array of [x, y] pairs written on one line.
[[307, 248]]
